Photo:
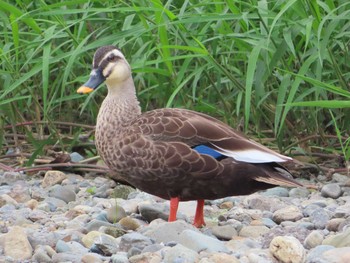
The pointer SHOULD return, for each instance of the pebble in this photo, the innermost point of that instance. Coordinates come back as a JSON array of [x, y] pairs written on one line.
[[43, 253], [20, 192], [338, 240], [53, 177], [199, 242], [277, 191], [164, 232], [226, 232], [299, 192], [253, 231], [319, 218], [134, 239], [76, 157], [16, 244], [287, 249], [315, 254], [106, 244], [220, 258], [179, 253], [120, 257], [334, 223], [337, 255], [115, 213], [289, 213], [5, 199], [331, 190], [63, 193], [129, 223], [89, 239], [151, 212], [314, 239]]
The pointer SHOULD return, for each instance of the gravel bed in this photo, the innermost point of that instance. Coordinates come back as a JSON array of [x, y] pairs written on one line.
[[64, 217]]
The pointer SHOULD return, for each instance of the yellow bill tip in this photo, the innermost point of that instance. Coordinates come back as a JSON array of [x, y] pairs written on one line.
[[84, 90]]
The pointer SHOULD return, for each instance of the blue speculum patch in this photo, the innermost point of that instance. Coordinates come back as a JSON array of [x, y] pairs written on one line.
[[203, 149]]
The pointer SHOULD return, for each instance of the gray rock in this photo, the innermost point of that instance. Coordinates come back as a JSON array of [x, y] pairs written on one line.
[[96, 224], [134, 239], [338, 240], [319, 218], [71, 246], [342, 211], [299, 192], [153, 248], [76, 157], [263, 203], [314, 239], [9, 178], [337, 255], [287, 249], [154, 211], [43, 254], [120, 257], [241, 247], [315, 254], [107, 244], [70, 257], [268, 222], [232, 222], [289, 213], [258, 256], [200, 242], [133, 251], [63, 193], [179, 254], [62, 247], [309, 209], [340, 178], [167, 231], [253, 231], [295, 231], [102, 216], [224, 232], [276, 191], [331, 190], [41, 238]]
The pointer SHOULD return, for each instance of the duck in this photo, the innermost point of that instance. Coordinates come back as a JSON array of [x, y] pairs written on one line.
[[174, 153]]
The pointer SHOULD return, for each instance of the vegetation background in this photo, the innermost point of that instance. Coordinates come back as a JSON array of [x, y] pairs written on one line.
[[278, 70]]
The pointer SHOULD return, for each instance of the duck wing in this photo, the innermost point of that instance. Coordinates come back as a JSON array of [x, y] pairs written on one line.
[[205, 134]]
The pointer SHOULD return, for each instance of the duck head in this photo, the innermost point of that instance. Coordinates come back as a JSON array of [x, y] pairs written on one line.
[[110, 66]]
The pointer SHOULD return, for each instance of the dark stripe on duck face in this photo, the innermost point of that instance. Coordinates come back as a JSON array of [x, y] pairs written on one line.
[[203, 149], [100, 54]]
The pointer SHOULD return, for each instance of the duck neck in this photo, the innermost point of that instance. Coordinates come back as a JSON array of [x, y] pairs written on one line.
[[119, 108]]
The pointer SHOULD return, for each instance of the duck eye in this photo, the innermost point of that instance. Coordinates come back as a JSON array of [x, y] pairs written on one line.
[[112, 58]]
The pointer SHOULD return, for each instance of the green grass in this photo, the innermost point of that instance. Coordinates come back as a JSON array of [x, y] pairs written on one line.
[[278, 65]]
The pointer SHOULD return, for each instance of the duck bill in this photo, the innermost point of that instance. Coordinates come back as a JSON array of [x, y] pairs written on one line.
[[95, 80]]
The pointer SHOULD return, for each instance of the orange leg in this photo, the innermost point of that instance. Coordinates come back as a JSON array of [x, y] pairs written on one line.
[[174, 204], [199, 217]]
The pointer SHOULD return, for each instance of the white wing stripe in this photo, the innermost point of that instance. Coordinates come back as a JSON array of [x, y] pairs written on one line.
[[253, 155]]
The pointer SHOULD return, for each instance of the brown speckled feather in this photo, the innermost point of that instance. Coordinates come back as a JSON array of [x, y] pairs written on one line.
[[155, 151]]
